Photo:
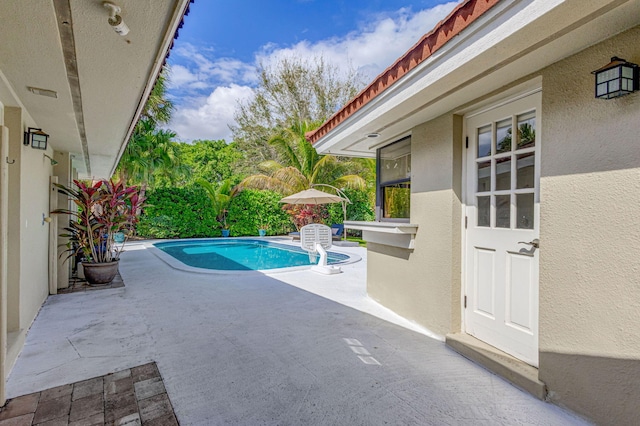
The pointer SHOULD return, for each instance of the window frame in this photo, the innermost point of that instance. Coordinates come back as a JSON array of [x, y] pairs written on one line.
[[380, 185]]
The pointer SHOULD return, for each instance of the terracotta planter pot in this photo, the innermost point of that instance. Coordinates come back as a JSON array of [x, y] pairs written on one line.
[[100, 273]]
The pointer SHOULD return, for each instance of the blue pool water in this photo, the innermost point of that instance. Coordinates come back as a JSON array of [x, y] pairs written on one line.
[[241, 254]]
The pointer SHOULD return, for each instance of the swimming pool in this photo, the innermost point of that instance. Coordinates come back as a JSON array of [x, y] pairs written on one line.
[[240, 254]]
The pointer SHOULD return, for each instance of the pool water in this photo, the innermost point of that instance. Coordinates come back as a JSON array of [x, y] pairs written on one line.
[[242, 254]]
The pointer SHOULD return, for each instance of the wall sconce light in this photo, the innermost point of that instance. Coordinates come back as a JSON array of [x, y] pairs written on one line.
[[617, 78], [36, 137]]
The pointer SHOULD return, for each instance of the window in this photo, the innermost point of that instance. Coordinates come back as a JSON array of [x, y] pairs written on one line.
[[394, 180]]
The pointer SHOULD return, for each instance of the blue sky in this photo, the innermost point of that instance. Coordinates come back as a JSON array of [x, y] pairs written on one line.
[[213, 61]]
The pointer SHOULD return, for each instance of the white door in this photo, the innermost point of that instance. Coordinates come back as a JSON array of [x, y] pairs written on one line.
[[502, 199]]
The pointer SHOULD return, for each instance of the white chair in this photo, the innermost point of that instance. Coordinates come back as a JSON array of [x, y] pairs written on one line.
[[316, 238]]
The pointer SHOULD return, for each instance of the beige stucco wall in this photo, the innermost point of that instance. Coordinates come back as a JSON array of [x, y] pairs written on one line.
[[63, 172], [13, 120], [34, 235], [28, 239], [590, 238], [423, 284]]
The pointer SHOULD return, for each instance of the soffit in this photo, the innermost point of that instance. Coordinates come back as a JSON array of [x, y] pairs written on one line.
[[114, 72], [510, 42]]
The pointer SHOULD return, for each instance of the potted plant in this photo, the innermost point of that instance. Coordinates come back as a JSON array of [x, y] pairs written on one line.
[[103, 210], [262, 230]]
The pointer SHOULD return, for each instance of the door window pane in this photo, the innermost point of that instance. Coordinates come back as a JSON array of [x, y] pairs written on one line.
[[526, 168], [484, 176], [526, 130], [484, 141], [503, 174], [524, 205], [503, 136], [503, 211], [484, 211]]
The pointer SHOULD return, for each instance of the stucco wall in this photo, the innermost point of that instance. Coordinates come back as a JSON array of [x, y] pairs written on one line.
[[28, 239], [590, 238], [63, 172], [34, 235], [423, 285], [13, 120]]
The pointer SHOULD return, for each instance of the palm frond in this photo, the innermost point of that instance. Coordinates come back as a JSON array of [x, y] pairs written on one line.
[[350, 181]]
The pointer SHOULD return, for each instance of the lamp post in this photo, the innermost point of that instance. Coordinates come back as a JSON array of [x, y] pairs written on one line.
[[340, 193]]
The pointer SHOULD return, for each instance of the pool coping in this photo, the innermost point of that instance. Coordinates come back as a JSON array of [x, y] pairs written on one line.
[[176, 264]]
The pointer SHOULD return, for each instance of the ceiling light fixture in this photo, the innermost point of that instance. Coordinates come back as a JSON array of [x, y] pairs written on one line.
[[42, 92], [115, 20], [373, 135]]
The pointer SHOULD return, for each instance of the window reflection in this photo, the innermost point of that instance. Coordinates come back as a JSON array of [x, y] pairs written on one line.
[[524, 205], [484, 141], [526, 130], [484, 211], [503, 211], [503, 174], [394, 180], [503, 136]]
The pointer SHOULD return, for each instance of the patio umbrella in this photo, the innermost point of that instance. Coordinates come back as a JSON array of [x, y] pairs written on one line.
[[312, 196]]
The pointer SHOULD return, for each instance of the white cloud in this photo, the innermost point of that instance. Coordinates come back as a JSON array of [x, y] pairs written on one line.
[[209, 117], [198, 72], [370, 50], [373, 47], [181, 77]]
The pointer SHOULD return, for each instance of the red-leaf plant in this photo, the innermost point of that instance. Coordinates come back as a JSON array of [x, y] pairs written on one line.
[[102, 210]]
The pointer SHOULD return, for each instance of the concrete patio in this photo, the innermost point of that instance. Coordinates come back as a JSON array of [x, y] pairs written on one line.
[[285, 348]]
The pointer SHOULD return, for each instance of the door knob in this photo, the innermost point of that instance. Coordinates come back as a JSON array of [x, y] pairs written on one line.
[[535, 243]]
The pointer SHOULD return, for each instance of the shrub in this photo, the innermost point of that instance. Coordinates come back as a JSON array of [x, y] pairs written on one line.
[[251, 210], [361, 208], [178, 213]]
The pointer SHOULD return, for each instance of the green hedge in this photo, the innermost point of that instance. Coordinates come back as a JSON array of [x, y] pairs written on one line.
[[186, 213], [178, 213], [252, 209], [361, 208]]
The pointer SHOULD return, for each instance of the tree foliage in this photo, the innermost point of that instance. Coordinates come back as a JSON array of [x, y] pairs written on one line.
[[158, 108], [289, 92], [150, 153], [210, 160], [301, 166], [220, 197]]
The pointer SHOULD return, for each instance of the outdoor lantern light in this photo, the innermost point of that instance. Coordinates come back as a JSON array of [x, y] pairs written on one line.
[[618, 78], [36, 137]]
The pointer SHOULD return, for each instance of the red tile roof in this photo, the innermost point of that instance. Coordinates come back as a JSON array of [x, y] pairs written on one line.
[[459, 19]]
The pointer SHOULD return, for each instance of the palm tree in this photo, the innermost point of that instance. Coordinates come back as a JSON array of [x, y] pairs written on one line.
[[149, 152], [220, 196], [158, 108], [301, 166]]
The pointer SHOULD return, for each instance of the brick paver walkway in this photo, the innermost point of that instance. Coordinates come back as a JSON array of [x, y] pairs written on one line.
[[135, 396]]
